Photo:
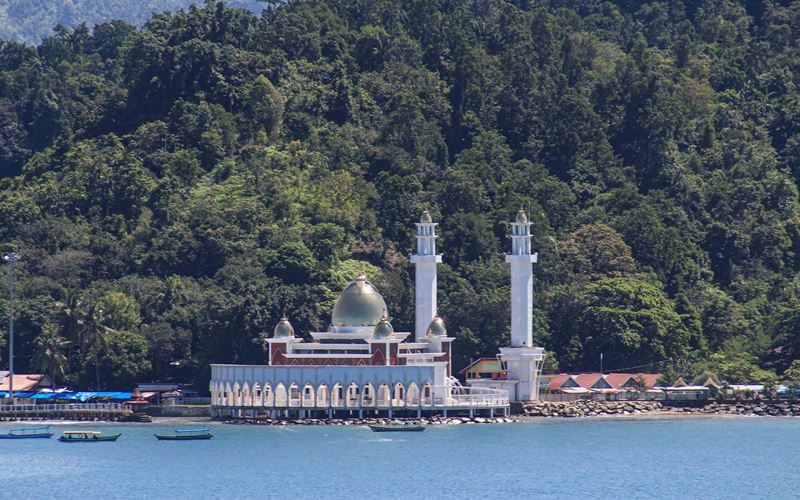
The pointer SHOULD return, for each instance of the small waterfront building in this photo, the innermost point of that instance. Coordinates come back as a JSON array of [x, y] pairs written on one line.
[[686, 393], [484, 368], [361, 365], [31, 382]]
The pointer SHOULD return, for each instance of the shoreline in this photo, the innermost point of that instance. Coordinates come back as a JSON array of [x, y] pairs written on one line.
[[534, 411], [434, 422]]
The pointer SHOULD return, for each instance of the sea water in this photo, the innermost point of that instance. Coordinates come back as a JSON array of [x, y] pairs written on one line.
[[588, 458]]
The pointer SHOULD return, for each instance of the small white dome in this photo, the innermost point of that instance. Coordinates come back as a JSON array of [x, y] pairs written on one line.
[[436, 328], [383, 329], [283, 329]]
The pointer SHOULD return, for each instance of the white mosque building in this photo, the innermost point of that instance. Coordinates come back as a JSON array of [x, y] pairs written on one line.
[[361, 366]]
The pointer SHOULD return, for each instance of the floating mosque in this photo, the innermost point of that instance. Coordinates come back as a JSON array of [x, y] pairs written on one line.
[[362, 366]]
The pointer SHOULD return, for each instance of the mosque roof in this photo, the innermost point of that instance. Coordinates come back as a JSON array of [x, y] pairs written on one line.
[[359, 304]]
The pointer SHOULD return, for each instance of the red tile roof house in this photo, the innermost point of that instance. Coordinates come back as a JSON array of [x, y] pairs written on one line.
[[596, 383], [29, 383]]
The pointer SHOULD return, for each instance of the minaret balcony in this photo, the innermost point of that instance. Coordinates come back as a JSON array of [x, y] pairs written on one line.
[[522, 259], [426, 259]]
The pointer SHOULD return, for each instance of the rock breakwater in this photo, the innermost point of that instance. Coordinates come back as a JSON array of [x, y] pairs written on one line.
[[588, 408], [756, 408], [607, 408]]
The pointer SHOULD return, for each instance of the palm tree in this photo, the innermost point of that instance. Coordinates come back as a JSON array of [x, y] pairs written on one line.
[[49, 354], [72, 315], [94, 336]]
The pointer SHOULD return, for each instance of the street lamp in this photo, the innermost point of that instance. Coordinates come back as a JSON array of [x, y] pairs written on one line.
[[11, 258]]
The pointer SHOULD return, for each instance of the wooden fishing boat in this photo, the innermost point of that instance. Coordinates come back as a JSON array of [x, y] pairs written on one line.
[[29, 433], [406, 427], [186, 435], [86, 437]]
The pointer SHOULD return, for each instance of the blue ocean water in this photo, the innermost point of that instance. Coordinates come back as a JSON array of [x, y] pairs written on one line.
[[592, 458]]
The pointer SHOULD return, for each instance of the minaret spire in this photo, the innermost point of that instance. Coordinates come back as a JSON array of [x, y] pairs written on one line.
[[521, 259], [425, 261]]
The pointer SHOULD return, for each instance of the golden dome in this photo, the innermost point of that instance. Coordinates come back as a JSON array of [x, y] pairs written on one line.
[[436, 328], [283, 329], [383, 329], [359, 304]]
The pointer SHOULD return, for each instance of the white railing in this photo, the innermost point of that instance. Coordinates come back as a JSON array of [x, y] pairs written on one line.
[[66, 407], [477, 397]]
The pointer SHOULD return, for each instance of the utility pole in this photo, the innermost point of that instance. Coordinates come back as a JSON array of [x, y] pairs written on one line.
[[11, 258], [601, 363]]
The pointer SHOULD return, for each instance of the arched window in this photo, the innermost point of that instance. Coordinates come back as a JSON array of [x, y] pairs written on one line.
[[353, 399], [368, 396], [399, 394], [294, 395], [281, 397], [323, 396], [309, 396], [384, 396], [337, 396], [412, 395]]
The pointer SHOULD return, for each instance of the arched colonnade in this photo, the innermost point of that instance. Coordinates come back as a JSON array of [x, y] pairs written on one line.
[[322, 396]]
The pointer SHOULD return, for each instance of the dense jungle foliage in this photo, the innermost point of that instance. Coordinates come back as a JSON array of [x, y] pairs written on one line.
[[175, 189]]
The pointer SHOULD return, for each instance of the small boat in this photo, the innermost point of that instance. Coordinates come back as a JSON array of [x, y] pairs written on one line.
[[406, 427], [186, 435], [86, 437], [28, 433]]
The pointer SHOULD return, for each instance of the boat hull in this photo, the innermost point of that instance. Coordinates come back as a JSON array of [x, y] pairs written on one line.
[[398, 428], [30, 436], [90, 439], [169, 437]]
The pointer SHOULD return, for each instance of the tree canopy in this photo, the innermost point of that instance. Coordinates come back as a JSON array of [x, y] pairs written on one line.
[[177, 187]]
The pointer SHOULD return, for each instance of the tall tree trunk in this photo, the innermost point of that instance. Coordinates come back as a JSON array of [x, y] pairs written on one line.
[[97, 369]]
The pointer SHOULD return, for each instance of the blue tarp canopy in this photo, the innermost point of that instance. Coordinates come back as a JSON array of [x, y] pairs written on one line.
[[81, 396], [120, 396], [17, 394], [54, 395]]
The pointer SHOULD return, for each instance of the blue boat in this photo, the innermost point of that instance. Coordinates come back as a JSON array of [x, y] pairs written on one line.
[[29, 433]]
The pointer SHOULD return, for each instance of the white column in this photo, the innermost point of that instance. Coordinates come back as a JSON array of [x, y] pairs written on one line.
[[521, 261], [523, 361], [425, 261]]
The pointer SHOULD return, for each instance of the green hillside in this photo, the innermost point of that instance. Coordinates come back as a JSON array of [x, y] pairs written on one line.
[[175, 190], [30, 21]]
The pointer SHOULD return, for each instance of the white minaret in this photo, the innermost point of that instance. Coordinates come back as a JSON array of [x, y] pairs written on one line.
[[523, 361], [521, 260], [425, 261]]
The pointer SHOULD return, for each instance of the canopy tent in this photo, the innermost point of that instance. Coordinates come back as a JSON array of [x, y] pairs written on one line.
[[118, 396], [17, 394], [54, 395]]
